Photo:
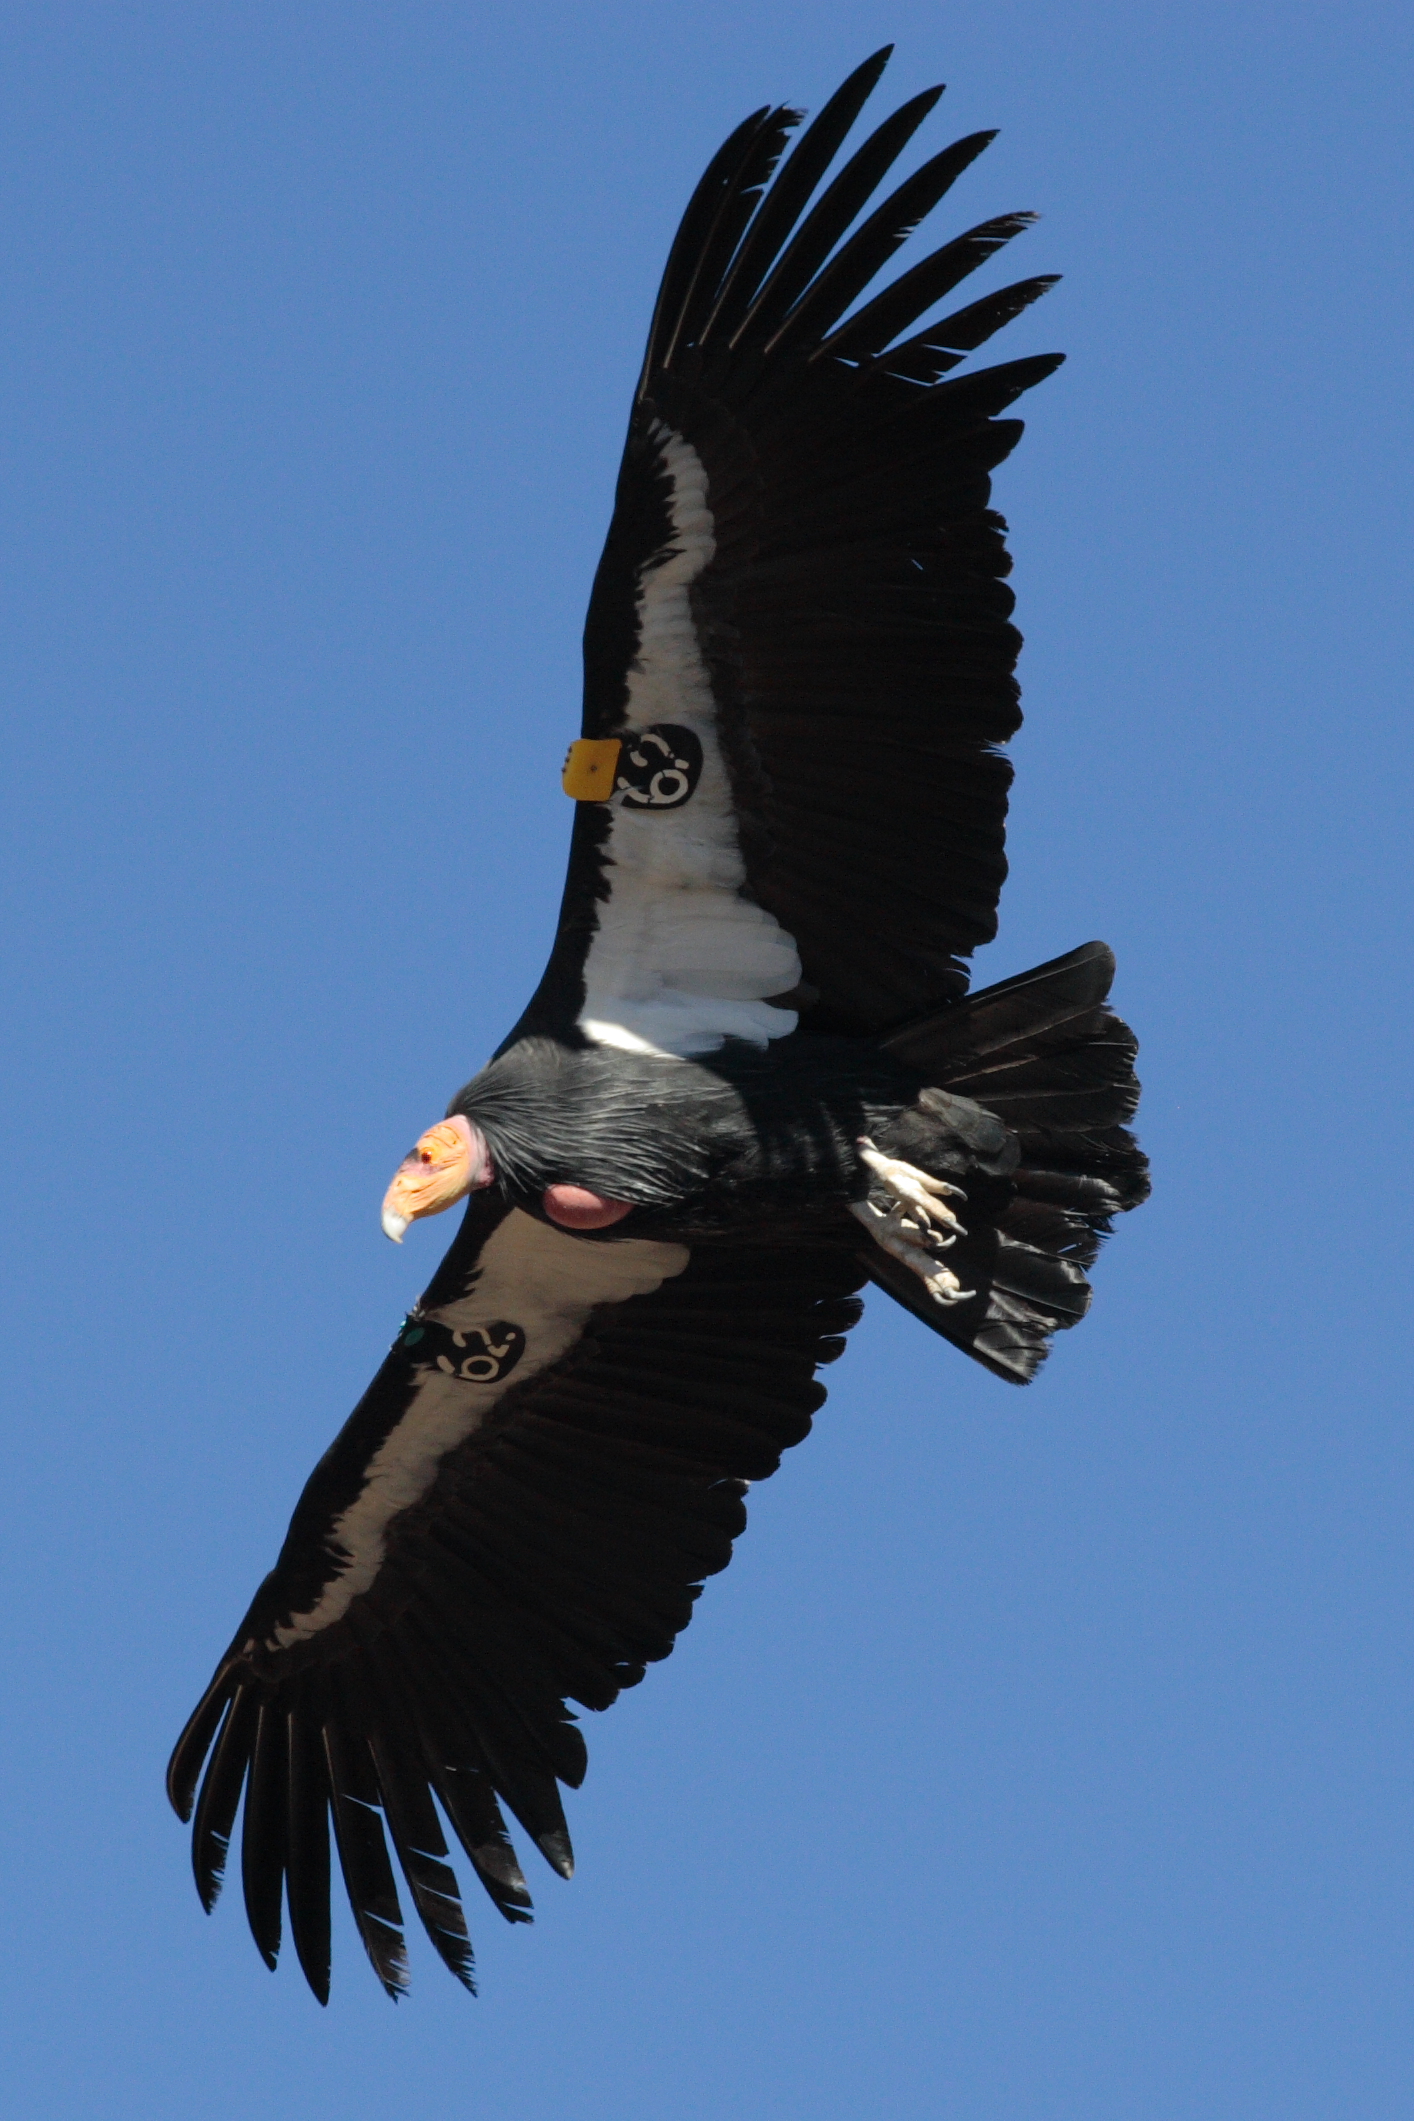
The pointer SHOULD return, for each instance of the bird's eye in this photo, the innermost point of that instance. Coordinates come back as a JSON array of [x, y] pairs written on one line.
[[427, 1156]]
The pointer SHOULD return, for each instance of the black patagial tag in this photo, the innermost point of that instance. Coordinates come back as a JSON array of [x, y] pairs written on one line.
[[478, 1355], [658, 767]]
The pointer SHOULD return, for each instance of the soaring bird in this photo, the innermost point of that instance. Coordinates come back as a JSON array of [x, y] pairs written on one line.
[[750, 1082]]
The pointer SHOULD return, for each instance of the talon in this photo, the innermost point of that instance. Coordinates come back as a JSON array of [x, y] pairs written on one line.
[[956, 1294], [939, 1186], [923, 1193], [910, 1228]]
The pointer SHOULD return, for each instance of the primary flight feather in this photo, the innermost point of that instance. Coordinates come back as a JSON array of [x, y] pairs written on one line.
[[750, 1082]]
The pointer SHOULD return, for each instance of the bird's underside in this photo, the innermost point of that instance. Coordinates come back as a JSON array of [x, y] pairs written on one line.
[[750, 1082]]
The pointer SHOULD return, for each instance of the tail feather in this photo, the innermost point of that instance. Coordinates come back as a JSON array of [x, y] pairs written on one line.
[[1043, 1054], [1015, 1012]]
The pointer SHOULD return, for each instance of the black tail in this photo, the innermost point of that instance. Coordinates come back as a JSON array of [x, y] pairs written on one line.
[[1046, 1055]]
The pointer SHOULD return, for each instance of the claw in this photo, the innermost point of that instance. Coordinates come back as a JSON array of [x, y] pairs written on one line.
[[922, 1233], [926, 1195], [898, 1235]]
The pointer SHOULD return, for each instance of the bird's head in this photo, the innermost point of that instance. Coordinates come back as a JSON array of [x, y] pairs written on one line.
[[447, 1162]]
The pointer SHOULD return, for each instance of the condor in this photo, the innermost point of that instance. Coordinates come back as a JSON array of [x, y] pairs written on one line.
[[749, 1083]]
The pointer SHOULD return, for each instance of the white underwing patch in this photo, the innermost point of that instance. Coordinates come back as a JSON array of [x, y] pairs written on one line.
[[547, 1282], [681, 960]]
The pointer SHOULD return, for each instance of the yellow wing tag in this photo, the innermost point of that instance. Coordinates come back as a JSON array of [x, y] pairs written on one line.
[[590, 766]]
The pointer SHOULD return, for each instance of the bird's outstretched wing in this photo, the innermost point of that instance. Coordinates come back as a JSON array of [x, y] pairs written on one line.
[[521, 1509], [798, 653]]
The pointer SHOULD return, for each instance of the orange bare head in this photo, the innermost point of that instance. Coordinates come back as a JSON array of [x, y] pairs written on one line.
[[447, 1162]]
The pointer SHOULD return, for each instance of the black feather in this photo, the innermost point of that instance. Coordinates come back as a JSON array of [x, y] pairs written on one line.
[[607, 1618], [513, 1712], [940, 346], [412, 1820], [1015, 1010], [891, 312], [1044, 1056], [740, 193], [694, 232], [220, 1794], [467, 1796], [263, 1830], [855, 264], [586, 1669], [191, 1749], [783, 204], [307, 1850], [827, 221], [363, 1852], [528, 1789]]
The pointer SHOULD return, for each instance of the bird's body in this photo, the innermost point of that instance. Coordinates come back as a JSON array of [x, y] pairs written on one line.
[[751, 1138], [750, 1081]]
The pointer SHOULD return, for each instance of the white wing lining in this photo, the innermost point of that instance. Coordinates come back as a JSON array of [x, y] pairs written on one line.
[[680, 960]]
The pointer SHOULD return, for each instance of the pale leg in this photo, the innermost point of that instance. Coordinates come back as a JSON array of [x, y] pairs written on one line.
[[911, 1228]]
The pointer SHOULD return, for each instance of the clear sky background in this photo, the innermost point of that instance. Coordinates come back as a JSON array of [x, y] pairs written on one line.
[[1043, 1756]]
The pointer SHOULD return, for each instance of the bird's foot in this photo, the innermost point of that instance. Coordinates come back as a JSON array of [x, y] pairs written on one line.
[[916, 1193], [912, 1222]]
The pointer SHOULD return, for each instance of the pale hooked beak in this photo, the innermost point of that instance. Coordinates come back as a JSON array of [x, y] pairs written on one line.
[[445, 1163]]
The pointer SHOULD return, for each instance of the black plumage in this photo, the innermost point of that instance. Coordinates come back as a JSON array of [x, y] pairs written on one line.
[[749, 1082]]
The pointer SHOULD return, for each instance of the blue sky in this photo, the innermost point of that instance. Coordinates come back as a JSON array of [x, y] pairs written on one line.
[[1044, 1756]]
